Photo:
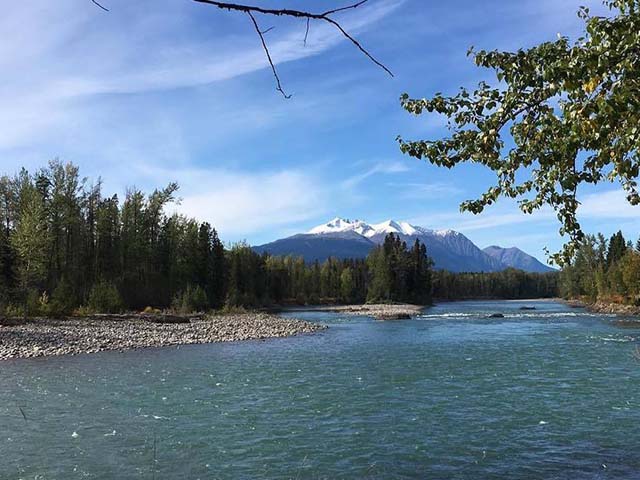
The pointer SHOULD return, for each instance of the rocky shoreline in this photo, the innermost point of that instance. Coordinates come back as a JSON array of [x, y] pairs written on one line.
[[615, 308], [606, 307], [378, 311], [45, 337]]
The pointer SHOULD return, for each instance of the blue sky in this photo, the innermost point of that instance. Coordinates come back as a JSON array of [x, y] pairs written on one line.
[[156, 91]]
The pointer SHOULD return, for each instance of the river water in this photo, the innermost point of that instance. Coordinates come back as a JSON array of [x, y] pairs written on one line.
[[546, 393]]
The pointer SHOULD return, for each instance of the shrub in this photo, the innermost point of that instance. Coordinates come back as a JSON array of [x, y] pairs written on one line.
[[105, 298], [192, 299], [233, 309], [83, 311], [12, 310], [62, 302]]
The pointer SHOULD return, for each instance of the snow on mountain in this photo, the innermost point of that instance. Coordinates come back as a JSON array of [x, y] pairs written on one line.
[[391, 226], [368, 230], [341, 225], [343, 238]]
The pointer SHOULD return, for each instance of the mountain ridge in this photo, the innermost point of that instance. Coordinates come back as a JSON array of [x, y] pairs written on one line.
[[450, 250], [516, 258]]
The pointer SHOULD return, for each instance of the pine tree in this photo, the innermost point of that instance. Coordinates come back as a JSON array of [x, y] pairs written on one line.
[[30, 241], [217, 282], [617, 248], [347, 285]]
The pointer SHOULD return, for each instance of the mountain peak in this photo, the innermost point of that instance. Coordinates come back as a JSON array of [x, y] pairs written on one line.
[[340, 224], [450, 250], [516, 258], [445, 232]]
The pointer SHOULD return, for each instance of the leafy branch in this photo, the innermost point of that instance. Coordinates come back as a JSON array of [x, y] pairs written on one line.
[[559, 116]]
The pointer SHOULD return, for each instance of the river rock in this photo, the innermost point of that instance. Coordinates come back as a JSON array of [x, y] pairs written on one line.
[[42, 337]]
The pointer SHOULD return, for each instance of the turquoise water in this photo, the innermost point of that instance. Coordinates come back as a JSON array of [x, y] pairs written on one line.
[[550, 393]]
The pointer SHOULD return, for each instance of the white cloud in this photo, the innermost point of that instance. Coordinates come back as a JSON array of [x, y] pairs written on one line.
[[608, 205], [378, 168], [426, 190], [464, 222], [239, 203], [64, 58]]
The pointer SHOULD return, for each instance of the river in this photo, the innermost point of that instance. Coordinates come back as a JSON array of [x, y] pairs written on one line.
[[546, 393]]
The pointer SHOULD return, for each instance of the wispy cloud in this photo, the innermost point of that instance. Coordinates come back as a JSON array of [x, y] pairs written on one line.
[[389, 167], [414, 190], [609, 204], [240, 203], [69, 57]]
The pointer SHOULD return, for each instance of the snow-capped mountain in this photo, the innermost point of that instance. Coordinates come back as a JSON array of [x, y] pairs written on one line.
[[341, 225], [342, 238], [320, 246], [370, 230]]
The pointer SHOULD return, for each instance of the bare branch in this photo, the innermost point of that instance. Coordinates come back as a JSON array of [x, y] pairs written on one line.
[[306, 32], [324, 16], [266, 51], [96, 3], [342, 9], [357, 44]]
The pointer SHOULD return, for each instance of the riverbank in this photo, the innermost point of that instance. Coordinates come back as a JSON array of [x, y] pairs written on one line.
[[380, 311], [606, 307], [45, 337], [615, 308]]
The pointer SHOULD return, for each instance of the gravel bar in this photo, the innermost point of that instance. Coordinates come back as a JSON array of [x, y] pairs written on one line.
[[44, 337], [378, 311]]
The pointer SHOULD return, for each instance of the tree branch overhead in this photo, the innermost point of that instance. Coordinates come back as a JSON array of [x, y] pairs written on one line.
[[323, 16], [286, 12]]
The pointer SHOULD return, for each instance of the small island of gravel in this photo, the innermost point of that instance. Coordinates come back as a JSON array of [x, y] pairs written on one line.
[[45, 337], [379, 311]]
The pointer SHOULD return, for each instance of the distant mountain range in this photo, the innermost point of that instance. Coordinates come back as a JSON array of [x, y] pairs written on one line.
[[514, 257], [450, 250]]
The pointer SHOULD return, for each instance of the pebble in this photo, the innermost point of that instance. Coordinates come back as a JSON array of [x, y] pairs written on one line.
[[382, 311], [46, 337]]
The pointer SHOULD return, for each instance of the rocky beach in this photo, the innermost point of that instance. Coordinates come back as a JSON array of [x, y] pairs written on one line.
[[45, 337], [614, 308], [610, 308]]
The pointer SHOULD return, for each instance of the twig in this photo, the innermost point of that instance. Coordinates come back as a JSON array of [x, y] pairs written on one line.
[[278, 12], [102, 7], [155, 438], [342, 9], [301, 466], [324, 16], [22, 412], [306, 32], [266, 51], [357, 44]]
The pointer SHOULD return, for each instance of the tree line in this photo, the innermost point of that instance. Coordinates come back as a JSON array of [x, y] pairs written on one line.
[[506, 284], [604, 269], [392, 272], [65, 247]]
